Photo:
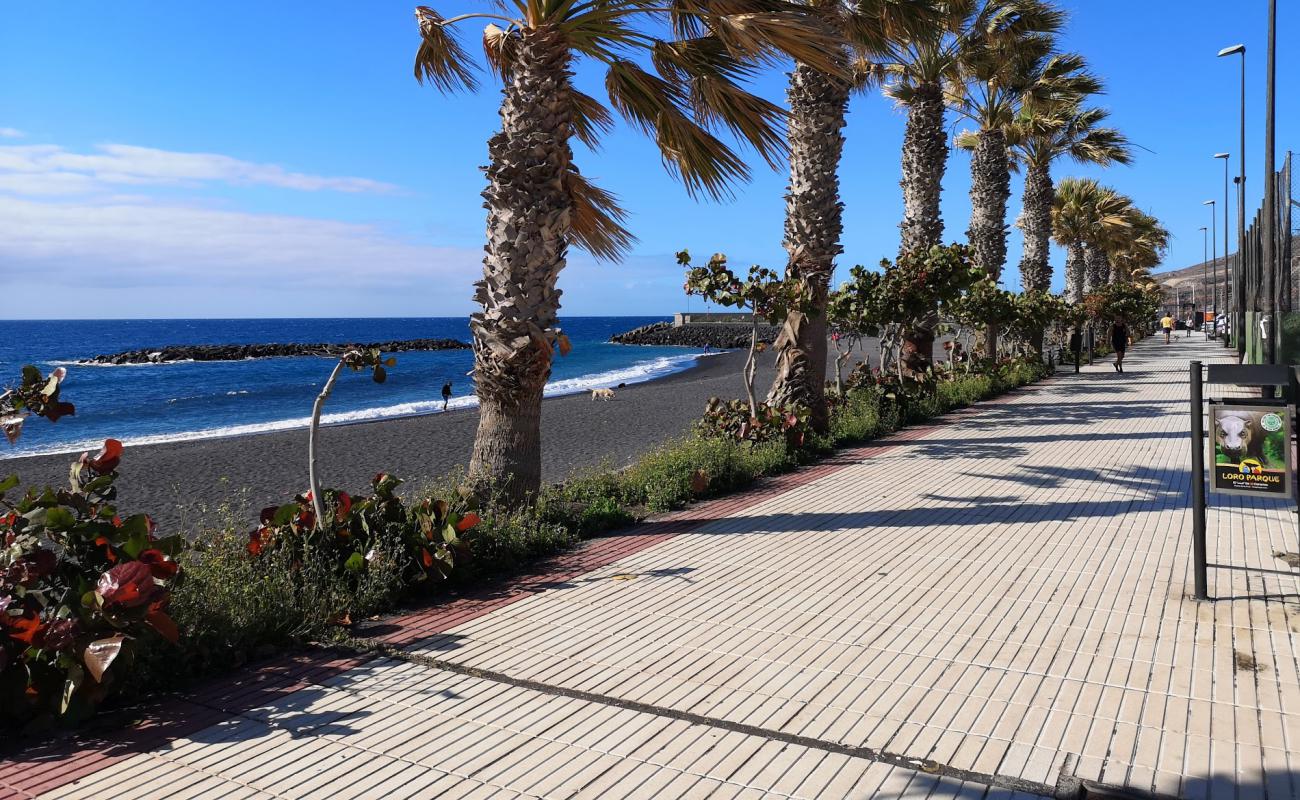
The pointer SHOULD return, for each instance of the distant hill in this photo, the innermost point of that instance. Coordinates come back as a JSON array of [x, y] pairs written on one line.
[[1201, 275]]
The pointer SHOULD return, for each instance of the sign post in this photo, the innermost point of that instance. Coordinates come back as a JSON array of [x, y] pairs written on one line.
[[1249, 445], [1198, 486]]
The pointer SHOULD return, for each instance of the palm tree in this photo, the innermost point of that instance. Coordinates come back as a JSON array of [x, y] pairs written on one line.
[[1085, 215], [997, 82], [1043, 133], [917, 68], [1137, 248], [538, 202], [814, 222]]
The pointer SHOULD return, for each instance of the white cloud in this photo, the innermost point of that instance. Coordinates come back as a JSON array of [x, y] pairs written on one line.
[[47, 169], [128, 243], [11, 133], [93, 221]]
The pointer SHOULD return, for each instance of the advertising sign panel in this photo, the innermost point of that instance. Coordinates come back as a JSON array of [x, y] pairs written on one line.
[[1250, 450]]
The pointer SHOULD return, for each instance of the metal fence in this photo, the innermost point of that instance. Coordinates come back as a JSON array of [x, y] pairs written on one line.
[[1263, 294]]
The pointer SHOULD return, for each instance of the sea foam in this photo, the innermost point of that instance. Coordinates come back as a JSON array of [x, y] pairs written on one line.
[[638, 372]]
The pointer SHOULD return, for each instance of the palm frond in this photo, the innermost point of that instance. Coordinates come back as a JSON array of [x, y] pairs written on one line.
[[441, 59], [719, 102], [967, 140], [596, 219], [873, 26], [680, 60], [769, 37], [499, 49], [865, 74], [590, 119], [655, 105], [1104, 146]]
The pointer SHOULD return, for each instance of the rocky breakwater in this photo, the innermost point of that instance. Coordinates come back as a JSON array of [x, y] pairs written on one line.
[[240, 352], [719, 336]]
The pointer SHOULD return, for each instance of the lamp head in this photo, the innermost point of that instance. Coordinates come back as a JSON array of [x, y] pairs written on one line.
[[1236, 48], [1221, 155], [1204, 228], [1208, 203]]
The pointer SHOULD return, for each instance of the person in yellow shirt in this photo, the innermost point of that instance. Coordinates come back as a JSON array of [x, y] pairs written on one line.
[[1167, 323]]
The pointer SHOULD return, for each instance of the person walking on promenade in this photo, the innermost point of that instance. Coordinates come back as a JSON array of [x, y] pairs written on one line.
[[1167, 325], [1119, 341], [1191, 323], [446, 394], [1076, 347]]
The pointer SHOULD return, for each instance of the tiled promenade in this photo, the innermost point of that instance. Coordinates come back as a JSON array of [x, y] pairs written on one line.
[[996, 605]]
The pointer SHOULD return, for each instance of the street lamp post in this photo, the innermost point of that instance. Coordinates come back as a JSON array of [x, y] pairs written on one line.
[[1227, 284], [1238, 281], [1214, 265], [1205, 258], [1270, 189]]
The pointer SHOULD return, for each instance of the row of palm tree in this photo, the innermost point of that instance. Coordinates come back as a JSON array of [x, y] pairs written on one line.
[[677, 70], [1107, 239]]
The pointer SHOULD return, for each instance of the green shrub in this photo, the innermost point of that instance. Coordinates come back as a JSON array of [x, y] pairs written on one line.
[[82, 589]]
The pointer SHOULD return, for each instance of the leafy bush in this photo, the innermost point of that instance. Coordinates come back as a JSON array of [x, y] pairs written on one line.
[[1124, 301], [80, 586], [733, 420], [697, 467], [361, 537]]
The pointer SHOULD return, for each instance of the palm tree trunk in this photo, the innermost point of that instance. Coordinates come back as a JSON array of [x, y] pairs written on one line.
[[813, 225], [1098, 269], [925, 157], [527, 232], [918, 349], [1075, 272], [1035, 222], [990, 188]]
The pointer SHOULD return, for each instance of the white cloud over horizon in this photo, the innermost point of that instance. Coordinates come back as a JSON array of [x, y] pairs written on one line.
[[124, 244], [48, 169], [11, 133], [96, 221]]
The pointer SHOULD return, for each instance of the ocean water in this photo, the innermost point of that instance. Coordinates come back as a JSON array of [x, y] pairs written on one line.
[[140, 404]]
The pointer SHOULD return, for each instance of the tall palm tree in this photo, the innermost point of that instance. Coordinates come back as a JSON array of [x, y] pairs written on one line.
[[917, 68], [1084, 216], [819, 104], [997, 82], [539, 203], [1043, 133]]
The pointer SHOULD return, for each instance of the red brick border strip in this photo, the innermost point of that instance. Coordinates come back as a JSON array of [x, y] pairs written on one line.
[[47, 767]]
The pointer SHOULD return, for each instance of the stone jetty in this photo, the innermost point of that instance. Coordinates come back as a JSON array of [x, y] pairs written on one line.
[[719, 336], [240, 352]]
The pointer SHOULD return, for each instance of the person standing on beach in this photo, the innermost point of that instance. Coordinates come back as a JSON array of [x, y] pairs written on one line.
[[446, 394], [1166, 324], [1119, 341]]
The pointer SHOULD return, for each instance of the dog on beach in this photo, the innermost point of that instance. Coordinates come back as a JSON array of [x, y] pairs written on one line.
[[602, 394], [1240, 434]]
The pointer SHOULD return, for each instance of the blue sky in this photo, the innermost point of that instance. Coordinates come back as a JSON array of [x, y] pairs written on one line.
[[271, 159]]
